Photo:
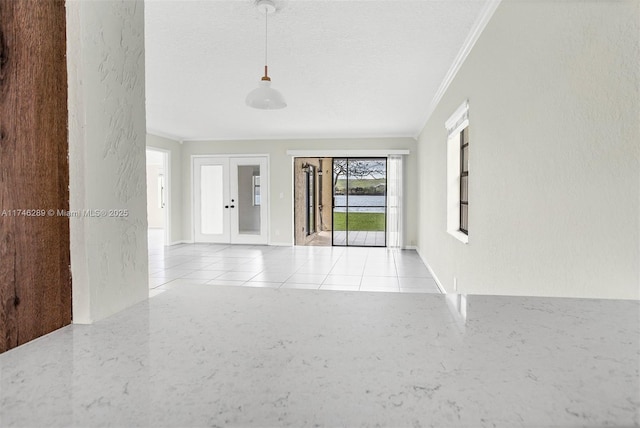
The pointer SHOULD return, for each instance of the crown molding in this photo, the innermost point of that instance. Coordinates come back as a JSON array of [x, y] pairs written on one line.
[[161, 134], [478, 27]]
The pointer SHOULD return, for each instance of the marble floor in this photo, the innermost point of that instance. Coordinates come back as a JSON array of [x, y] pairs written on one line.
[[199, 355], [306, 267]]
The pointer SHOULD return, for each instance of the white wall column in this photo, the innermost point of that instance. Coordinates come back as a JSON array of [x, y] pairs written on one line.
[[107, 131]]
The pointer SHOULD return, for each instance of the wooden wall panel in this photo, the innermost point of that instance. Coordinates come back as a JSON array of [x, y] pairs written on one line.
[[35, 277]]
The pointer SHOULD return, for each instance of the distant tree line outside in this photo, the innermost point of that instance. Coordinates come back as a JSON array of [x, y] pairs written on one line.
[[365, 177]]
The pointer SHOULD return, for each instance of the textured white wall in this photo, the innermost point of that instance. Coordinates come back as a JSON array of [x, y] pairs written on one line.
[[105, 58], [281, 176], [554, 156], [174, 148]]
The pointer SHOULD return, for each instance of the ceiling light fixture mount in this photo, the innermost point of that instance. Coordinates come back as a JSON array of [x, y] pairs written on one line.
[[264, 96], [266, 6]]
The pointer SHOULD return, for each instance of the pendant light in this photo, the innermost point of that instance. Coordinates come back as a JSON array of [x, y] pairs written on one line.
[[264, 96]]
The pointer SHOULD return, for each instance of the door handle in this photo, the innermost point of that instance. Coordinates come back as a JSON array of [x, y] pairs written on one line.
[[226, 206], [233, 206]]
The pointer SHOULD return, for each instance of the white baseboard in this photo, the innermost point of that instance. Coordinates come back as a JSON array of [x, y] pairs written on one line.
[[280, 244], [433, 274], [275, 244], [180, 242]]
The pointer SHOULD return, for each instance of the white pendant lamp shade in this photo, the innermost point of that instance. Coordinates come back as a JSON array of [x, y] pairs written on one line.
[[264, 96]]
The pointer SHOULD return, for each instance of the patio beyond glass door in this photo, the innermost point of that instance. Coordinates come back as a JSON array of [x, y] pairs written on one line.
[[230, 200], [359, 202]]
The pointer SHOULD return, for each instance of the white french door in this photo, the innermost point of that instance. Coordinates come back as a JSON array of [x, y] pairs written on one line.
[[230, 203]]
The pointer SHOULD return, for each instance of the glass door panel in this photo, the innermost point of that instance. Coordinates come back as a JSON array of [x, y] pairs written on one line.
[[249, 198], [248, 203], [359, 201], [210, 197], [340, 197]]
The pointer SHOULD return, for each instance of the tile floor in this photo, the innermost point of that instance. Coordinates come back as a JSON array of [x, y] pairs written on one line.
[[318, 268]]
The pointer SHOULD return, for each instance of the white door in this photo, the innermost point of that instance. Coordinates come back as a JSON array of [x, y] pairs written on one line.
[[230, 199]]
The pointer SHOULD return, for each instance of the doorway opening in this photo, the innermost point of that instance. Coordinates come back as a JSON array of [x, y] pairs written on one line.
[[312, 201], [340, 201], [157, 198]]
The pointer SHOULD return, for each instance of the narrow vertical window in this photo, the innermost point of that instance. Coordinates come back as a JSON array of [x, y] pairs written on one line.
[[464, 181], [458, 173]]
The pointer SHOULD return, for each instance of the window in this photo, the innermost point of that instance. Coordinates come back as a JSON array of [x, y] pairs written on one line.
[[464, 181], [458, 173]]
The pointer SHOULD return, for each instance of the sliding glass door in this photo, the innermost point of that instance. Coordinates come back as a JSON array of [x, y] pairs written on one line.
[[359, 202]]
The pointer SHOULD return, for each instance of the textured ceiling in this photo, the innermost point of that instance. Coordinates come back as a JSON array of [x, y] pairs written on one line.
[[346, 68]]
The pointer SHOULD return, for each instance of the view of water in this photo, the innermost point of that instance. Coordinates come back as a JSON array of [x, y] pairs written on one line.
[[360, 203]]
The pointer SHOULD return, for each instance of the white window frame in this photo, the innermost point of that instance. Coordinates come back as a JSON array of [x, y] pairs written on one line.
[[456, 123]]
